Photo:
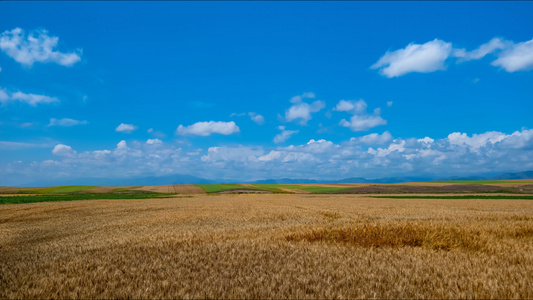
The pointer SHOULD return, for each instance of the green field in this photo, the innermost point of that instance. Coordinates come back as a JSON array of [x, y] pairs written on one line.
[[275, 188], [307, 188], [81, 196], [215, 188], [59, 189]]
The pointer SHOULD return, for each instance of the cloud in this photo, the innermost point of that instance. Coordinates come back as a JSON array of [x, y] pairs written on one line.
[[482, 51], [284, 135], [257, 118], [208, 128], [361, 120], [516, 57], [157, 134], [354, 107], [421, 58], [64, 151], [8, 145], [66, 122], [3, 95], [126, 128], [301, 110], [374, 138], [154, 141], [37, 46], [31, 99], [477, 141], [382, 152], [458, 154], [272, 155], [512, 57], [239, 153]]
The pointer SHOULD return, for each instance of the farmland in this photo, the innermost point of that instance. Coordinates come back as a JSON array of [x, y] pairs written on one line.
[[282, 244]]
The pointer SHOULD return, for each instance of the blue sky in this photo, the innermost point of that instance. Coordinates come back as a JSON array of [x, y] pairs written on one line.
[[255, 90]]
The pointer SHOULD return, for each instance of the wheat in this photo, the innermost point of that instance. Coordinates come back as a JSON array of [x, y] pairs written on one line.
[[267, 246]]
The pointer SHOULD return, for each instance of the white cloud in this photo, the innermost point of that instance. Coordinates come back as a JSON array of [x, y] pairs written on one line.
[[122, 145], [301, 110], [459, 154], [208, 128], [482, 51], [284, 135], [270, 156], [431, 56], [31, 99], [37, 46], [157, 134], [476, 141], [382, 152], [154, 141], [426, 140], [511, 57], [126, 128], [257, 118], [516, 57], [63, 150], [239, 153], [422, 58], [351, 106], [3, 95], [66, 122], [360, 121], [375, 138], [8, 145]]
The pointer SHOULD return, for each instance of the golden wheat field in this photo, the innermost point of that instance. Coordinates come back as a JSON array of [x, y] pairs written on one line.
[[267, 246]]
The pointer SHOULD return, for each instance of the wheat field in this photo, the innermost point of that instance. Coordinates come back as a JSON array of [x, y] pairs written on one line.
[[267, 246]]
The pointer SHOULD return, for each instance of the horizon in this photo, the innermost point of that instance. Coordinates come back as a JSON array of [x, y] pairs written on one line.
[[252, 91]]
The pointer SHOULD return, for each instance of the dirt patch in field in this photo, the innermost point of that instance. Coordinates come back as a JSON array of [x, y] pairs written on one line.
[[415, 189], [102, 189], [186, 189], [335, 184], [245, 191], [296, 191]]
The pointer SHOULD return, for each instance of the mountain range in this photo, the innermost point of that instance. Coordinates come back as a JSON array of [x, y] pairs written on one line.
[[189, 179]]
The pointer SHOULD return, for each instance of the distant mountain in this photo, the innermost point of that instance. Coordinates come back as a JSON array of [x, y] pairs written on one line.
[[285, 181], [152, 180], [519, 175], [189, 179], [346, 180]]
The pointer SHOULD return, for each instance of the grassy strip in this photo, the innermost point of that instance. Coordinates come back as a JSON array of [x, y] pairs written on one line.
[[307, 188], [479, 181], [123, 189], [214, 188], [80, 196], [59, 189], [458, 197]]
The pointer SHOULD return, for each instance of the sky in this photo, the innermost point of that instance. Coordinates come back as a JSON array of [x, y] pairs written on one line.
[[257, 90]]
